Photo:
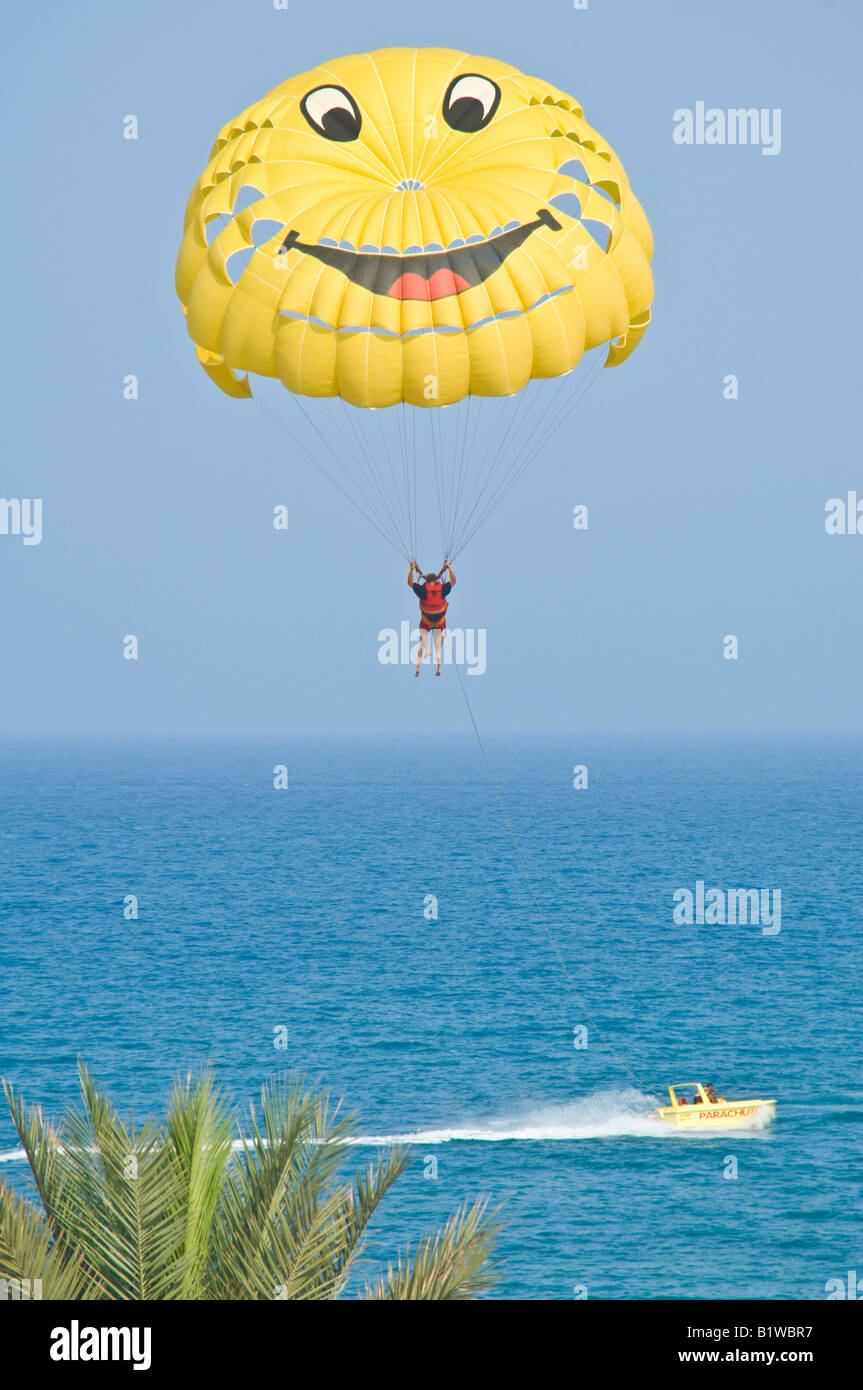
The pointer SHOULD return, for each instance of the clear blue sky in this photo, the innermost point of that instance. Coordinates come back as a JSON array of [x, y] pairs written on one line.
[[706, 516]]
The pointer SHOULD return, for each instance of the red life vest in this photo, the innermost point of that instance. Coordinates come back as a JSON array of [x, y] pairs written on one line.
[[434, 605]]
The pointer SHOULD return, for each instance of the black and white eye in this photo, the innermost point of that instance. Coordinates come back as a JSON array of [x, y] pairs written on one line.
[[332, 112], [470, 102]]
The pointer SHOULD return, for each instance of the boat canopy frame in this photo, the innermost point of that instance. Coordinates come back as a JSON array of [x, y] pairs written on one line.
[[688, 1086]]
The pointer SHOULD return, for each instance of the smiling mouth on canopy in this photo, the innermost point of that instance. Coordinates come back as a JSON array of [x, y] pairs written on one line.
[[429, 274]]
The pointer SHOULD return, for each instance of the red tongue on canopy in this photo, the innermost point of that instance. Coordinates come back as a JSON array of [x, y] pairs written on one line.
[[438, 286]]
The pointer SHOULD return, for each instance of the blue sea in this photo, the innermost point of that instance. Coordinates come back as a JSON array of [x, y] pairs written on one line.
[[375, 914]]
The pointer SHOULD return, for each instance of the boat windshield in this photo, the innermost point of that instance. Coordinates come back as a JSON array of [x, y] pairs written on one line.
[[687, 1095]]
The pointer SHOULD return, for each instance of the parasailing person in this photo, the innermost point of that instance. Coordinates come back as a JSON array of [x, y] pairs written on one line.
[[433, 596]]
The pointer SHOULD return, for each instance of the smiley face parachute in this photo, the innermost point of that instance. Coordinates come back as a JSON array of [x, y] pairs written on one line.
[[418, 244]]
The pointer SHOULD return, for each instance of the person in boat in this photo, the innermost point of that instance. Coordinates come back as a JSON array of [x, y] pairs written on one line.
[[710, 1093], [432, 595]]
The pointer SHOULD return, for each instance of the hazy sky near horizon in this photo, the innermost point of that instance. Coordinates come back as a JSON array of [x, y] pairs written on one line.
[[707, 516]]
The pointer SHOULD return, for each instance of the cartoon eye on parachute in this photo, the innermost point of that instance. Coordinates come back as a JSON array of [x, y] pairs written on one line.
[[421, 246]]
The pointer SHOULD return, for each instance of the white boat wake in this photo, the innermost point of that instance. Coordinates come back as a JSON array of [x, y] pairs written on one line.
[[603, 1115], [612, 1114]]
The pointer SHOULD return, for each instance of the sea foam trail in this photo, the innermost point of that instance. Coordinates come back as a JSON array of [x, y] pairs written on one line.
[[12, 1156], [603, 1115]]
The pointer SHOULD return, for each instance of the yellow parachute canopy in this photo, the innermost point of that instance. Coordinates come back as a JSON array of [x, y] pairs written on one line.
[[414, 227], [412, 224]]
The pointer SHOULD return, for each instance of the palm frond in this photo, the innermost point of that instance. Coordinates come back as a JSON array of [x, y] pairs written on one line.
[[41, 1144], [169, 1211], [361, 1200], [453, 1264], [121, 1201], [199, 1127], [277, 1205], [30, 1257]]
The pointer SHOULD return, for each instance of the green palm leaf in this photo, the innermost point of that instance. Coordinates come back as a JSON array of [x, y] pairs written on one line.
[[30, 1261], [179, 1211], [453, 1264], [199, 1129], [121, 1201]]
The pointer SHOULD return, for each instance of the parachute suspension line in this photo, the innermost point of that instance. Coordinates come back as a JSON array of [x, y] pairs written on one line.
[[448, 428], [463, 457], [513, 417], [401, 457], [437, 463], [522, 462], [512, 413], [367, 463], [478, 475], [569, 404], [410, 477], [473, 466], [449, 464], [504, 460], [532, 891], [409, 469], [455, 468], [414, 464], [477, 415], [448, 438], [399, 499], [380, 509], [443, 451], [490, 453], [364, 460], [301, 448], [520, 465], [446, 454]]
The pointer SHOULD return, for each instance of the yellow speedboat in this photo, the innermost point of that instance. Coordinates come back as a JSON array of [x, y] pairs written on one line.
[[698, 1107]]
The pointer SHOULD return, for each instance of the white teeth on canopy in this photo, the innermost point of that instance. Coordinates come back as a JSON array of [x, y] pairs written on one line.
[[266, 228], [387, 249]]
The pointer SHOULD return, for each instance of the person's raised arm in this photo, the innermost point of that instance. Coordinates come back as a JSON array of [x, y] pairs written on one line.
[[414, 566], [451, 573]]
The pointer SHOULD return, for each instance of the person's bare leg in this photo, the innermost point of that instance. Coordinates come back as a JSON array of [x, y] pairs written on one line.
[[438, 643], [423, 651]]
